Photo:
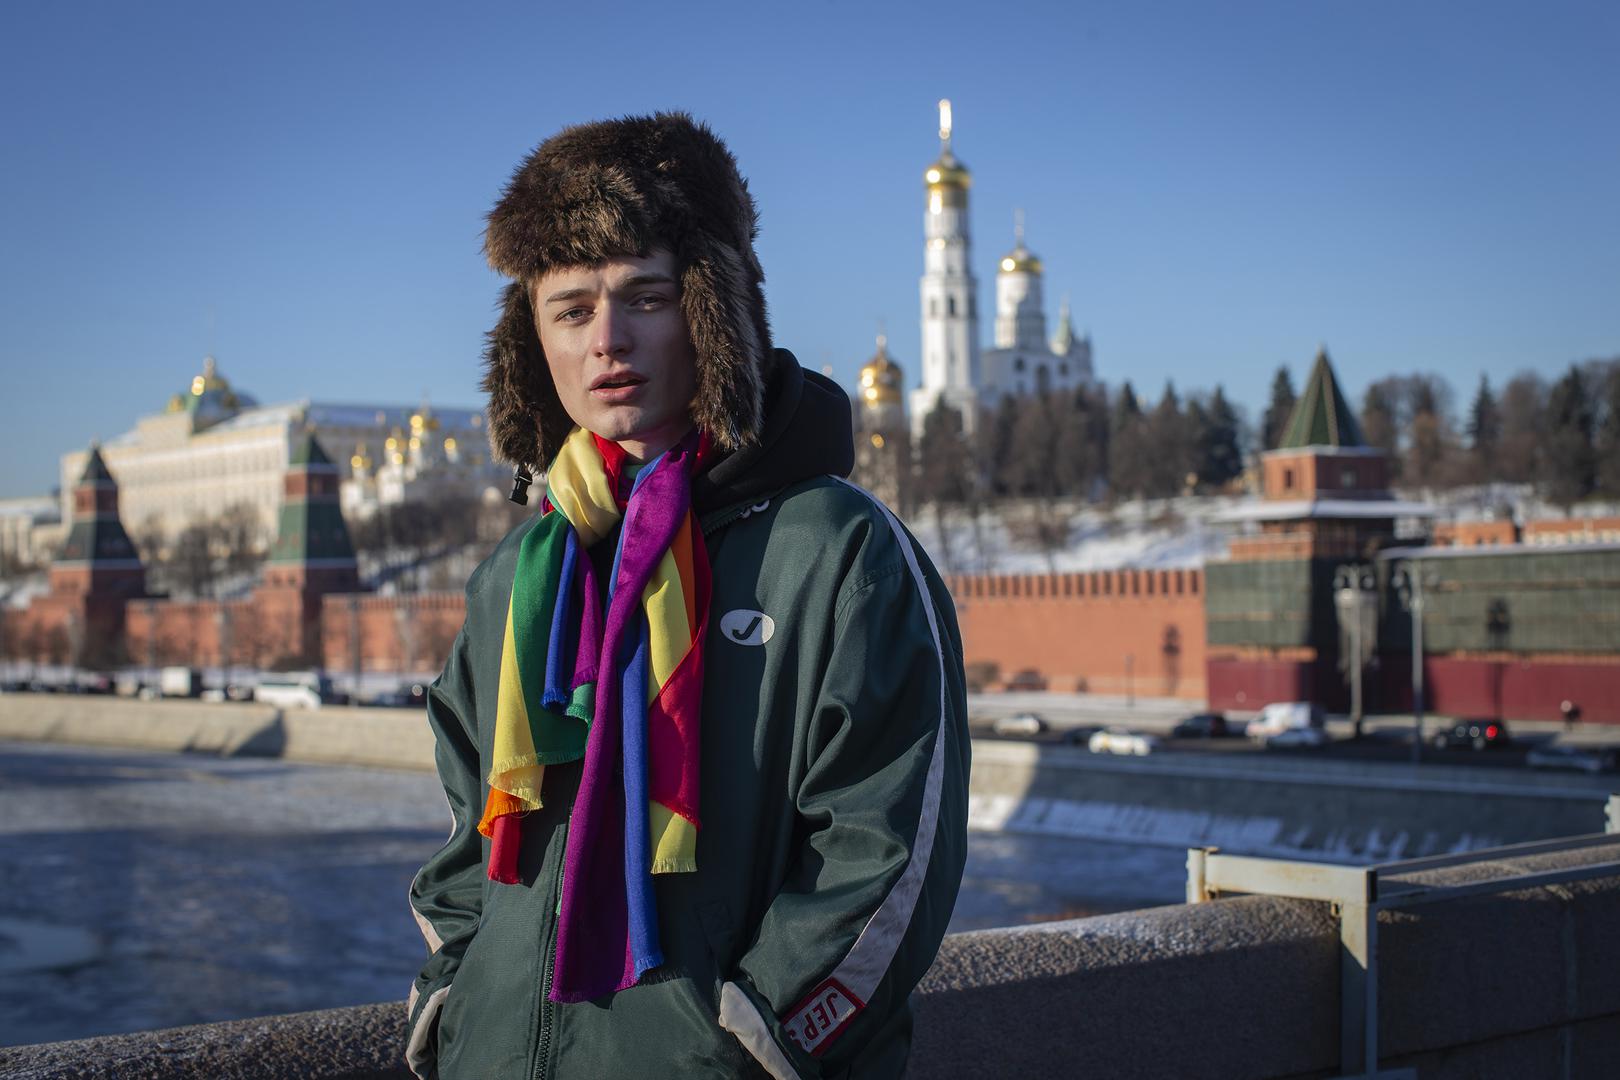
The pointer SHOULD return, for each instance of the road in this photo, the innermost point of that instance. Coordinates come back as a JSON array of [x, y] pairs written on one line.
[[144, 890]]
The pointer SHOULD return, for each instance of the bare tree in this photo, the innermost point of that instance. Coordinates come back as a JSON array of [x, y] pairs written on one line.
[[1524, 407], [191, 565]]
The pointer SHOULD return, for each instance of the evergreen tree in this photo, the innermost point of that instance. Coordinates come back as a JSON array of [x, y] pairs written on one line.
[[1170, 444], [1569, 461], [997, 438], [1082, 444], [1219, 454], [1278, 411], [1608, 439], [1524, 407], [944, 467], [1484, 432], [1380, 416], [1128, 452], [1430, 440]]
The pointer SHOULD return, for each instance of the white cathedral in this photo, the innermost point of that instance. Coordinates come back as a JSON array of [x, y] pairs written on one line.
[[1024, 360]]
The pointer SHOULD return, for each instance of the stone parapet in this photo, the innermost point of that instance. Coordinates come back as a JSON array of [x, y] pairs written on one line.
[[1509, 985]]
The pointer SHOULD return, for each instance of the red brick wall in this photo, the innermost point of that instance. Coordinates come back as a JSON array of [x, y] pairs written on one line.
[[1572, 530], [408, 634], [1475, 533], [163, 632], [1510, 687], [1109, 632]]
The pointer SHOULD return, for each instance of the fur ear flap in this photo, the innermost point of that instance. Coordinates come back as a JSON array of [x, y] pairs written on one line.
[[527, 421], [720, 303]]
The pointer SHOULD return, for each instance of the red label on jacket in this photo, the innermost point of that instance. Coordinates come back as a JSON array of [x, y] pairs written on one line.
[[822, 1016]]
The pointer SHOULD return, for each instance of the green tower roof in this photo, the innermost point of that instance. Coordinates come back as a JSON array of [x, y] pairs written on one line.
[[95, 469], [1321, 416], [308, 452]]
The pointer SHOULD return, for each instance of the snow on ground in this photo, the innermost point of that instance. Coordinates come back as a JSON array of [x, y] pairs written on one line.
[[22, 591], [1147, 533]]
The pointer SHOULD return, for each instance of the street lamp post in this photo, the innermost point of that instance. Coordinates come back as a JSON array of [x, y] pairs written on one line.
[[1355, 598], [1410, 581]]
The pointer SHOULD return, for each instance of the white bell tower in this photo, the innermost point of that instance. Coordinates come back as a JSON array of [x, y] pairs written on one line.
[[950, 320]]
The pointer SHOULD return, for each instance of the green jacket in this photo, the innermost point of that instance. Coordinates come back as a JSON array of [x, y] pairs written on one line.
[[833, 803]]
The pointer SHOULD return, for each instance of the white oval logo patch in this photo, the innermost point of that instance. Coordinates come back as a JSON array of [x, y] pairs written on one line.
[[746, 627]]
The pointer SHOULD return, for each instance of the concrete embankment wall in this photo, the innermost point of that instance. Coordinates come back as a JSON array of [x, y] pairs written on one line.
[[1348, 811], [1341, 810], [391, 738], [1503, 986]]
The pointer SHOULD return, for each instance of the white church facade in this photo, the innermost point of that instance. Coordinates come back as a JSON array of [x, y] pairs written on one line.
[[1023, 359]]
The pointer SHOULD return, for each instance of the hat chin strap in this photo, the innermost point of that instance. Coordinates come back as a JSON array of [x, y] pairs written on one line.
[[521, 479]]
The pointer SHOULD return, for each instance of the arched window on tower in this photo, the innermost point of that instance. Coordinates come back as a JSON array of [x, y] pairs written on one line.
[[1018, 363], [1043, 379], [950, 305], [933, 307]]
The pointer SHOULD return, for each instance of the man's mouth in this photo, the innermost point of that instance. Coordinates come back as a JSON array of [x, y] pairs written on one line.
[[617, 380]]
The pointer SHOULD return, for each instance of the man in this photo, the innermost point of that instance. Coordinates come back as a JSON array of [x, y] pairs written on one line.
[[702, 733]]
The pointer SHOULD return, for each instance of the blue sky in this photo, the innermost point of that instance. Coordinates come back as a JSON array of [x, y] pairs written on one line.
[[1217, 187]]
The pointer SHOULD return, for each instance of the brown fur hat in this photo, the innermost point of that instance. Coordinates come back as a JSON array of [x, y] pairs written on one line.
[[624, 187]]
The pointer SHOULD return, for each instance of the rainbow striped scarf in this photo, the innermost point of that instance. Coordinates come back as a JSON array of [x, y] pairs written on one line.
[[622, 692]]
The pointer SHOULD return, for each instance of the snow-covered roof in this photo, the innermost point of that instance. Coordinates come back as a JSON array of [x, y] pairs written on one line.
[[336, 414], [1299, 509], [1485, 550], [31, 506]]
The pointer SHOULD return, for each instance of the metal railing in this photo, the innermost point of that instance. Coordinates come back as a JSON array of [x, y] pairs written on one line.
[[1359, 893]]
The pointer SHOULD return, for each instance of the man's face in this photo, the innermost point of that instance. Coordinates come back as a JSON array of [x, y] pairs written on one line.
[[619, 350]]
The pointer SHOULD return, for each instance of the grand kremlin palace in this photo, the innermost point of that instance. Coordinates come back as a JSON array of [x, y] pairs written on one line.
[[214, 448]]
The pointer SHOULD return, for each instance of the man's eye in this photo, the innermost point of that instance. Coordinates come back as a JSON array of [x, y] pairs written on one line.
[[573, 314], [651, 300]]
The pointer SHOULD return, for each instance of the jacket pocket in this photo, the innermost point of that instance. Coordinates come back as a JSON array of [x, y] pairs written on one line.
[[486, 1026]]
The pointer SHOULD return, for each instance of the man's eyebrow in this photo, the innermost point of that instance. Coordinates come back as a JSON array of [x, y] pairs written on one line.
[[567, 294], [631, 282], [648, 278]]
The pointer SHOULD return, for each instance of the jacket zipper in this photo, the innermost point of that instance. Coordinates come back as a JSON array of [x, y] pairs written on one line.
[[548, 1009]]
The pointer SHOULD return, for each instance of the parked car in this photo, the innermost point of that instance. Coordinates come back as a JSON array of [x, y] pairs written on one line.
[[213, 694], [1299, 738], [1024, 723], [180, 682], [1592, 759], [1475, 734], [1204, 725], [1121, 741], [1080, 736], [407, 696], [296, 690], [1028, 679], [1282, 716]]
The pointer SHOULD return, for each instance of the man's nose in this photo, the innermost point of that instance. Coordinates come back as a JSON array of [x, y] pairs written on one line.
[[612, 331]]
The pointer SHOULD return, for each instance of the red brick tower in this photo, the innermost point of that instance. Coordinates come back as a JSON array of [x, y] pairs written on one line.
[[1272, 631], [312, 556], [96, 574]]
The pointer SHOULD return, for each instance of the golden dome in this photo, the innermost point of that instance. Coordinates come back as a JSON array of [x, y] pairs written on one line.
[[881, 379], [948, 172], [1020, 260], [210, 389]]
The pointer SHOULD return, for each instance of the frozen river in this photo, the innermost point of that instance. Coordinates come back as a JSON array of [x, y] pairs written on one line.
[[151, 890]]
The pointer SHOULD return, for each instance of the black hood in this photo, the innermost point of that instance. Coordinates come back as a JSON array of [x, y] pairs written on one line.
[[806, 432]]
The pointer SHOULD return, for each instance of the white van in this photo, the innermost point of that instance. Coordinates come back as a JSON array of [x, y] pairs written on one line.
[[295, 690], [1282, 716]]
